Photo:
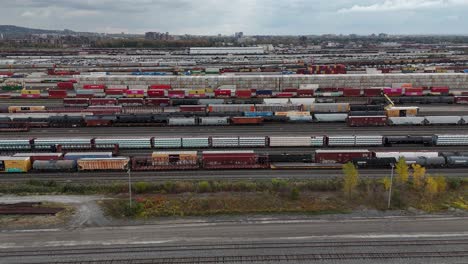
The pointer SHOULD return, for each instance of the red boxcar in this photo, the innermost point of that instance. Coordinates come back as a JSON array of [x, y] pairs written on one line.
[[131, 101], [305, 92], [160, 87], [461, 99], [364, 121], [192, 108], [155, 93], [158, 101], [415, 91], [351, 92], [284, 95], [369, 92], [103, 101], [115, 91], [65, 85], [94, 86], [243, 93], [176, 94], [440, 90], [246, 120], [75, 101], [340, 156], [290, 90], [57, 93], [222, 93], [233, 160]]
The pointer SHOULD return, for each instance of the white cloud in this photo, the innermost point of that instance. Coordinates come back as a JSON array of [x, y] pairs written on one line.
[[404, 5]]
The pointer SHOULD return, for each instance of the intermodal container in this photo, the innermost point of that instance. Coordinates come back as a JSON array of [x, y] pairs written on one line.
[[30, 92], [40, 156], [393, 91], [57, 94], [135, 93], [264, 93], [284, 95], [84, 155], [65, 85], [114, 91], [94, 86], [158, 101], [369, 92], [18, 109], [223, 93], [415, 91], [231, 108], [440, 90], [351, 92], [160, 87], [305, 92], [176, 94], [290, 90], [363, 121], [155, 93], [246, 120], [340, 156], [243, 93], [96, 164]]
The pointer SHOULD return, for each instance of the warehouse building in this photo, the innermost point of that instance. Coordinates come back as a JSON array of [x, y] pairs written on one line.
[[225, 51]]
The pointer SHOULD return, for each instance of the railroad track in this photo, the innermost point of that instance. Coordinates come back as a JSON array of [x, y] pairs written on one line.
[[367, 250], [197, 175]]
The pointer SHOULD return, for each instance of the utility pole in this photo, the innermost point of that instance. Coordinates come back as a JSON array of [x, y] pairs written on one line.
[[390, 189], [129, 187]]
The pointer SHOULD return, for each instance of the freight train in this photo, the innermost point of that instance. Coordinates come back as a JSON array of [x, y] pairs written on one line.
[[45, 144], [212, 160]]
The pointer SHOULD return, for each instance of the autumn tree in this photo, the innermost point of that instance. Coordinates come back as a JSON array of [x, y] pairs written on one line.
[[351, 178], [419, 172], [431, 188], [402, 171], [441, 184], [387, 182]]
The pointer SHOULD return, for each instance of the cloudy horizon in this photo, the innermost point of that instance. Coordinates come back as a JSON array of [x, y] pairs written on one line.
[[253, 17]]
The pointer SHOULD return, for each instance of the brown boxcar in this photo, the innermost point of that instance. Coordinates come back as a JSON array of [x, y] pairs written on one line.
[[365, 121], [340, 156], [233, 160], [246, 120]]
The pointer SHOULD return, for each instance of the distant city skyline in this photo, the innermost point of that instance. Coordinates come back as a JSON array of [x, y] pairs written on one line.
[[253, 17]]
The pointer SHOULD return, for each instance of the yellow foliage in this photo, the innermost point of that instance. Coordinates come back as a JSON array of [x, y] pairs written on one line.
[[441, 184], [431, 187], [418, 175], [387, 182], [402, 171], [351, 178]]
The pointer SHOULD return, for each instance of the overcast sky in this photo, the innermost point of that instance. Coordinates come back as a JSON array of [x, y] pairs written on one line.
[[250, 16]]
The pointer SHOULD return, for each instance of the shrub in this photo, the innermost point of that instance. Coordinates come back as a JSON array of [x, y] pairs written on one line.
[[141, 187], [279, 185], [204, 187], [295, 194]]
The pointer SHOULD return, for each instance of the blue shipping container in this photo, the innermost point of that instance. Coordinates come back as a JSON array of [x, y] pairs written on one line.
[[465, 70], [258, 114], [264, 92]]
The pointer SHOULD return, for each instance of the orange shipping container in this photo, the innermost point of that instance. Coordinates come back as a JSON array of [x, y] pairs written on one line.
[[103, 164]]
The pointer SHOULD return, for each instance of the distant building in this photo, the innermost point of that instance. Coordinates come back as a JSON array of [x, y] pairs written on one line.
[[230, 50], [239, 35], [157, 36]]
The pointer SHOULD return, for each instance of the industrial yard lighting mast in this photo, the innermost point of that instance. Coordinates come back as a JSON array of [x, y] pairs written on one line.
[[129, 187], [391, 185]]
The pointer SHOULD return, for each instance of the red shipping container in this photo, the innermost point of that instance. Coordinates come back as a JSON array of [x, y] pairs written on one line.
[[351, 92], [131, 101], [57, 93], [415, 91], [89, 96], [369, 92], [176, 94], [115, 91], [243, 93], [461, 99], [247, 120], [440, 90], [75, 101], [340, 156], [6, 73], [305, 92], [155, 93], [103, 101], [329, 89], [192, 108], [160, 87], [393, 91], [158, 101], [290, 90], [222, 93], [65, 85], [31, 96], [5, 95], [94, 86], [366, 121], [104, 110], [284, 95]]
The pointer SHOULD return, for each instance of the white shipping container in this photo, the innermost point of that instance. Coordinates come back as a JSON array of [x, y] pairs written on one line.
[[290, 142], [407, 155]]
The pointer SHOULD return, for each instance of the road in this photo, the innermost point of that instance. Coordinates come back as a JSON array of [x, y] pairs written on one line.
[[161, 176], [310, 129], [249, 240]]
